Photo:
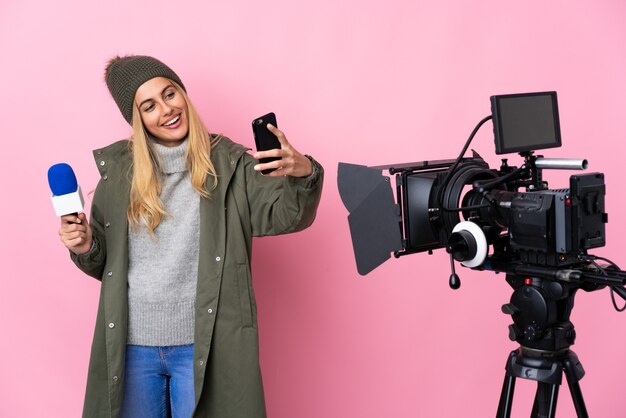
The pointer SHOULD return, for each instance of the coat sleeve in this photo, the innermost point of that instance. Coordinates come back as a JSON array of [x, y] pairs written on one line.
[[92, 263], [280, 205]]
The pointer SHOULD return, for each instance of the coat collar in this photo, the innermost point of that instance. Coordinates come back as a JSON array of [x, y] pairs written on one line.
[[224, 153]]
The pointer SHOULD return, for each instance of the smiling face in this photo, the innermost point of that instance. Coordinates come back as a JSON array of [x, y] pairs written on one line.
[[163, 111]]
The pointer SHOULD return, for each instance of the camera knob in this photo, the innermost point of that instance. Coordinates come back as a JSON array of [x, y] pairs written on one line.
[[514, 332], [532, 332], [509, 309]]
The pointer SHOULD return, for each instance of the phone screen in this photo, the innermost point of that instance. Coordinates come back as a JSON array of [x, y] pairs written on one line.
[[264, 139]]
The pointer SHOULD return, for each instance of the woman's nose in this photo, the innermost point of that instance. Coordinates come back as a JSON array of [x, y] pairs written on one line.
[[166, 109]]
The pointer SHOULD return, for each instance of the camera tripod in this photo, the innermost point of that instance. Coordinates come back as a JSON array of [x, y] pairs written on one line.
[[540, 310]]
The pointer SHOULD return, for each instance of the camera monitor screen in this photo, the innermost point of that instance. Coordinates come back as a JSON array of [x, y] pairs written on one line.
[[525, 122]]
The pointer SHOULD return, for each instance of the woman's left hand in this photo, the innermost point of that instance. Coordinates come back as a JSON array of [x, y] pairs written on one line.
[[291, 162]]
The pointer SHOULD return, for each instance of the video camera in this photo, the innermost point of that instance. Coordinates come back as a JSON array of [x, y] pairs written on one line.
[[538, 236], [534, 226]]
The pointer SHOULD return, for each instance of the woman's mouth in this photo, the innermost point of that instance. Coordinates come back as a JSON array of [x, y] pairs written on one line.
[[173, 123]]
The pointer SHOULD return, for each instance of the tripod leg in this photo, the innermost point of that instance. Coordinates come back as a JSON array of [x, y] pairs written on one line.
[[506, 398], [574, 388], [545, 400]]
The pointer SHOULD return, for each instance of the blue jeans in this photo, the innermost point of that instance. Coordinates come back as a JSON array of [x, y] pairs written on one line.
[[158, 382]]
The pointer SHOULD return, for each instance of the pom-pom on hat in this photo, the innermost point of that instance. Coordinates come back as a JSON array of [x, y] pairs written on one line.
[[124, 75]]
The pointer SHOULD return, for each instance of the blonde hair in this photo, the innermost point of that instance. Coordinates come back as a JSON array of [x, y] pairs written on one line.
[[146, 208]]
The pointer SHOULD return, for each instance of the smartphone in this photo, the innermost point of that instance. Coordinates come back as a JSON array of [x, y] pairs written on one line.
[[264, 139]]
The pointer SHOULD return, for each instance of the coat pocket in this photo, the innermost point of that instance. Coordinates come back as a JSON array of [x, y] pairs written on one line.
[[245, 300]]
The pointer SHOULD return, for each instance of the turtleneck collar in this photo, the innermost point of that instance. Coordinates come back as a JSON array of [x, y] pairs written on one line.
[[172, 159]]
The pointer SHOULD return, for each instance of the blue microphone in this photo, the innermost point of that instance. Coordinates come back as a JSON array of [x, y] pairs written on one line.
[[67, 197]]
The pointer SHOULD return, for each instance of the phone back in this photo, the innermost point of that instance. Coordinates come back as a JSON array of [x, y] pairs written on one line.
[[264, 139]]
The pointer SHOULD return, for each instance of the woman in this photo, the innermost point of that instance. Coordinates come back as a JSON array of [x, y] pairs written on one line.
[[172, 221]]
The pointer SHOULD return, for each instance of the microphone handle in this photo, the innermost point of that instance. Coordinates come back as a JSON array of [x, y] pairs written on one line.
[[75, 214]]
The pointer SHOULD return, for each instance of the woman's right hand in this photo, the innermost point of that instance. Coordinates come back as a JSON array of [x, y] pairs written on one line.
[[76, 233]]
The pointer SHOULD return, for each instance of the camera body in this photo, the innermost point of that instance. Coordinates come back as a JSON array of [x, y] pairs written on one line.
[[540, 227]]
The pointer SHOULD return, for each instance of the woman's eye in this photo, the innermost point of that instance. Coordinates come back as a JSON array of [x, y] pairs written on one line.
[[169, 95], [148, 108]]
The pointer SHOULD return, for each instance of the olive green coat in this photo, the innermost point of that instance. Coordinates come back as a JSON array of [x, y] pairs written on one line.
[[227, 376]]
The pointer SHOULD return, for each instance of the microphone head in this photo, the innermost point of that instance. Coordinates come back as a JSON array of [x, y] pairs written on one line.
[[62, 179]]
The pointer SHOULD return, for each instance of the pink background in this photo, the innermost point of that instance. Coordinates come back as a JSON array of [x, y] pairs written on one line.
[[368, 82]]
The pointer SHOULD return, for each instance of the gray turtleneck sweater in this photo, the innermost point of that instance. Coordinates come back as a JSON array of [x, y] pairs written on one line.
[[163, 270]]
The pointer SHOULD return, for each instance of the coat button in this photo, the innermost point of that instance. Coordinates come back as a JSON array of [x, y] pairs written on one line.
[[99, 151], [105, 177], [108, 224], [210, 311], [115, 379], [102, 162], [110, 273], [111, 325], [201, 363], [218, 258]]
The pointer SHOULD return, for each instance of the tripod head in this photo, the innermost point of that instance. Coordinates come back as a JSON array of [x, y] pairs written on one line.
[[540, 310], [543, 298]]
